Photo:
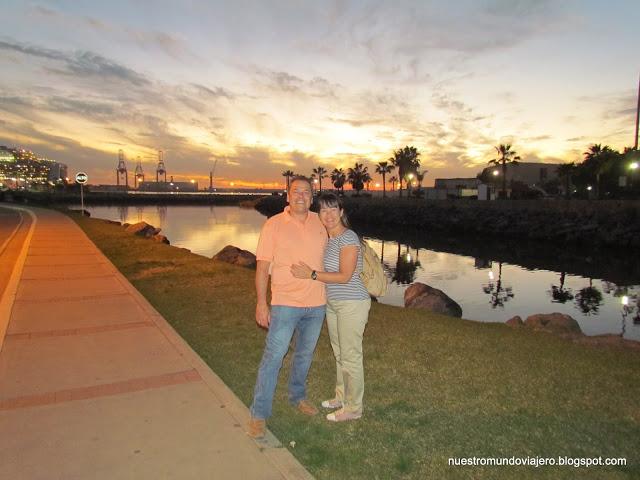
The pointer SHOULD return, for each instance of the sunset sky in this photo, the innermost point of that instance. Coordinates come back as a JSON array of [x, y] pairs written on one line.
[[267, 86]]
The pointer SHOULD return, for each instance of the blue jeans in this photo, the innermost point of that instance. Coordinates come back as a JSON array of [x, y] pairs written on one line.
[[306, 323]]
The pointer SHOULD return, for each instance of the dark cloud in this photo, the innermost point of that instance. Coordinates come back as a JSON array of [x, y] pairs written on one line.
[[288, 83], [216, 92], [23, 107], [92, 64], [87, 109], [80, 63], [16, 101], [284, 81], [33, 50]]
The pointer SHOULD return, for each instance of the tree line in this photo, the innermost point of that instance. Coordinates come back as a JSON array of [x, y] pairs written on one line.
[[601, 171], [405, 160]]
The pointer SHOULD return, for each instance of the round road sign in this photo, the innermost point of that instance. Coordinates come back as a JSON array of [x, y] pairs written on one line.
[[81, 177]]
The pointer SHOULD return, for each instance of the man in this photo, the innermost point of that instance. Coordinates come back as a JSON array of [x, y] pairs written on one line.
[[297, 305]]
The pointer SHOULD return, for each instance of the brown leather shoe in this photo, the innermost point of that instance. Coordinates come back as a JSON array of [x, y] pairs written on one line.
[[256, 427], [306, 407]]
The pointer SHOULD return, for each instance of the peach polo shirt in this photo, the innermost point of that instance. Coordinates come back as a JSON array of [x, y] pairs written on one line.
[[285, 241]]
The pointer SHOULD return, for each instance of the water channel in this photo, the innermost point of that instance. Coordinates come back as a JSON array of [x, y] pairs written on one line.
[[488, 288]]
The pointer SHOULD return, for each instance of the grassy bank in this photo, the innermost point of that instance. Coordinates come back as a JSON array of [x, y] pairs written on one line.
[[437, 387]]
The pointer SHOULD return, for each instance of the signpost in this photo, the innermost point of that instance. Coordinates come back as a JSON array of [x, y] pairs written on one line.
[[81, 178]]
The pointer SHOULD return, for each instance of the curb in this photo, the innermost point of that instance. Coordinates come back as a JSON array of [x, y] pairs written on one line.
[[11, 290]]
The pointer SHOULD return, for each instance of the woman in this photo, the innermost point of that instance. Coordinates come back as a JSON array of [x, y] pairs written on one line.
[[348, 305]]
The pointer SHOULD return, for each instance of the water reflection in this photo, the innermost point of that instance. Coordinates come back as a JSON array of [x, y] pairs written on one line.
[[123, 213], [162, 213], [589, 299], [559, 293], [499, 294], [406, 266], [479, 275]]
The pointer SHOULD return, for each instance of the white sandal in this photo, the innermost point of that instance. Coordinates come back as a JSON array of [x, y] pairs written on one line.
[[333, 403], [342, 416]]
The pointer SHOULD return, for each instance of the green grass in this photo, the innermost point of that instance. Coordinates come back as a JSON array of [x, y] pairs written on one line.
[[436, 387]]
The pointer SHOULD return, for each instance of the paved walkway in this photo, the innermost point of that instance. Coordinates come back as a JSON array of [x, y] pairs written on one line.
[[94, 383]]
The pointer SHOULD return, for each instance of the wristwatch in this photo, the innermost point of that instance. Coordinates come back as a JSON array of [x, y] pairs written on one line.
[[314, 275]]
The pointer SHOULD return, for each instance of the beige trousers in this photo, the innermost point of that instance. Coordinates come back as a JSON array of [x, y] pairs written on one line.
[[346, 320]]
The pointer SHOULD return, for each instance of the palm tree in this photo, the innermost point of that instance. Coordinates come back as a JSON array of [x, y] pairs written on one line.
[[598, 160], [407, 161], [497, 291], [404, 272], [393, 181], [319, 173], [288, 174], [366, 178], [566, 171], [506, 156], [383, 168], [559, 293], [589, 299], [338, 177], [357, 177]]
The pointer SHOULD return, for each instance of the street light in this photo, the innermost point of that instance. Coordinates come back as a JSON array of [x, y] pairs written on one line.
[[626, 310], [496, 173], [633, 166]]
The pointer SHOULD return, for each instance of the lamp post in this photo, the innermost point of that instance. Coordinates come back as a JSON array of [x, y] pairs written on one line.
[[626, 310]]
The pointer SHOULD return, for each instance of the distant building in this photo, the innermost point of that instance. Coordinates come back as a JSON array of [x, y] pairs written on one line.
[[447, 188], [21, 168], [168, 186], [57, 171], [109, 188]]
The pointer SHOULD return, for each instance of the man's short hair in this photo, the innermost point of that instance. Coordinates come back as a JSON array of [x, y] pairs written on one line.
[[300, 178]]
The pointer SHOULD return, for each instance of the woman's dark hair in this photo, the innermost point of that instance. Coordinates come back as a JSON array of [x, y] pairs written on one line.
[[331, 200]]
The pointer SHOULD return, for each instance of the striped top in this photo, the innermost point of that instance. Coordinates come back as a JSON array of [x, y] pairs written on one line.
[[354, 290]]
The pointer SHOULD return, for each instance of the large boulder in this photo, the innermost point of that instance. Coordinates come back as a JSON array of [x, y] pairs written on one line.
[[143, 229], [419, 295], [515, 321], [160, 239], [553, 322], [236, 256]]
